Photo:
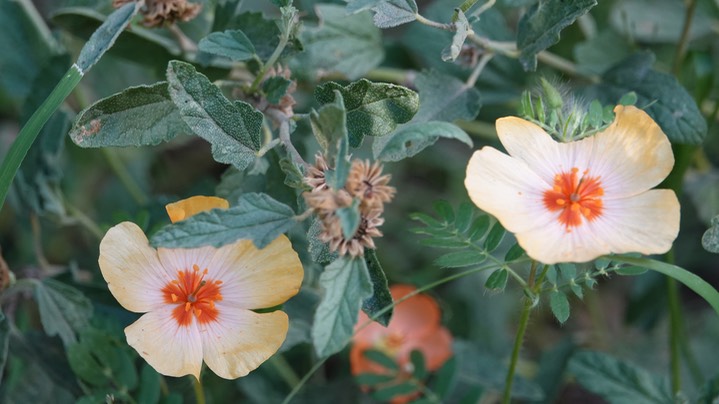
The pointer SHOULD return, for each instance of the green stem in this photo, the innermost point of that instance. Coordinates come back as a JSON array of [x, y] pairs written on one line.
[[285, 370], [270, 62], [11, 162], [684, 38], [85, 221], [674, 334], [124, 176], [199, 391], [518, 340]]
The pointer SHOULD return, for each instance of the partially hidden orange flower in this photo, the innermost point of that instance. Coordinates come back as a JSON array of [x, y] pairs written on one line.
[[415, 325], [198, 302], [576, 201]]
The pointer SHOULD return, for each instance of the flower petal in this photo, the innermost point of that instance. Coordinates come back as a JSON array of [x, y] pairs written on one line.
[[254, 279], [529, 143], [632, 155], [646, 223], [171, 349], [436, 348], [417, 315], [506, 188], [185, 208], [241, 340], [131, 268], [179, 259]]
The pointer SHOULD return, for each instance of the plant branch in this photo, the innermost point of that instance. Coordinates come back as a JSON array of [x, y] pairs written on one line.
[[124, 176], [684, 38], [284, 123]]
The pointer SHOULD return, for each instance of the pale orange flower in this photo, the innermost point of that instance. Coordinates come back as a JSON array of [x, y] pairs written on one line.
[[198, 302]]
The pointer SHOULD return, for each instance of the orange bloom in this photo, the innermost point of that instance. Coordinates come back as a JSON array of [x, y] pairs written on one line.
[[415, 325]]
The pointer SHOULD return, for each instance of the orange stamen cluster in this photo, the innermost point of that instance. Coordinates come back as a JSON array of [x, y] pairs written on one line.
[[193, 295], [575, 197]]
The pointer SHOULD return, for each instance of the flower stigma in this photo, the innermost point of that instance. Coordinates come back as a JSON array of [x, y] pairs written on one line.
[[194, 296], [576, 197]]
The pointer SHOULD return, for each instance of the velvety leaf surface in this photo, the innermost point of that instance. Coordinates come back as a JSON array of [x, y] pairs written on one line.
[[381, 296], [64, 310], [391, 13], [415, 137], [232, 44], [710, 239]]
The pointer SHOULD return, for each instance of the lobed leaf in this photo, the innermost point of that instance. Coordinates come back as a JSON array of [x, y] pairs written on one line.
[[391, 13], [275, 88], [64, 310], [411, 139], [347, 283], [232, 44], [256, 216]]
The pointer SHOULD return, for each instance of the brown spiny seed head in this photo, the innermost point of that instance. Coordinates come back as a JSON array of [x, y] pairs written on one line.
[[160, 12], [326, 202], [315, 176], [366, 182], [363, 237]]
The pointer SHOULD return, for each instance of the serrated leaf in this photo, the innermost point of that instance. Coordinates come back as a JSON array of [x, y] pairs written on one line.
[[349, 219], [559, 304], [495, 236], [233, 129], [371, 379], [64, 310], [346, 283], [419, 367], [666, 101], [373, 109], [460, 259], [256, 216], [461, 29], [618, 381], [381, 359], [540, 26], [710, 239], [232, 44], [411, 139], [319, 251], [275, 88], [445, 98], [497, 281], [348, 44], [138, 116], [389, 392], [381, 296], [391, 13]]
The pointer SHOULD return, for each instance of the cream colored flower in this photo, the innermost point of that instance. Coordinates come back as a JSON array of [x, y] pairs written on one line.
[[572, 202], [198, 302]]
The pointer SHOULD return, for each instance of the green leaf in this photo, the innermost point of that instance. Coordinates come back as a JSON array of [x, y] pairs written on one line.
[[389, 392], [445, 377], [381, 296], [514, 253], [346, 283], [497, 281], [150, 380], [631, 271], [138, 116], [381, 359], [275, 88], [411, 139], [461, 26], [460, 259], [98, 360], [445, 98], [232, 44], [463, 219], [419, 368], [371, 379], [64, 310], [264, 34], [596, 55], [672, 107], [690, 280], [444, 210], [233, 129], [4, 341], [104, 37], [373, 109], [618, 381], [349, 219], [540, 26], [656, 21], [479, 228], [319, 251], [391, 13], [559, 304], [330, 128], [347, 44], [256, 216], [710, 239], [495, 236]]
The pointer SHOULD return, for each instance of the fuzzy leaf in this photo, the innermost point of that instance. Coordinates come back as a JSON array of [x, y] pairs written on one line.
[[373, 109], [319, 251], [618, 381], [330, 128], [668, 103], [451, 52], [275, 88], [232, 44], [559, 304], [445, 98], [348, 44], [391, 13], [381, 296], [256, 216], [411, 139], [710, 239], [233, 129], [138, 116], [346, 283], [104, 37], [64, 310], [539, 28]]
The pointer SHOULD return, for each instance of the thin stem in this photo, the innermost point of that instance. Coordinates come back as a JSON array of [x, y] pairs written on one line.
[[199, 391], [85, 221], [37, 241], [270, 62], [285, 370], [472, 79], [518, 340], [423, 20], [684, 38], [284, 136], [124, 176], [186, 44], [674, 334], [267, 147]]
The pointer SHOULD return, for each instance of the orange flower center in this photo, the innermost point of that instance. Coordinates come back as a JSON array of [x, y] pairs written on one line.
[[194, 296], [575, 198]]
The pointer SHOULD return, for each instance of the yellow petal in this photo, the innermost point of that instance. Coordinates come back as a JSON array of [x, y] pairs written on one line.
[[131, 268], [255, 279], [185, 208], [529, 143], [241, 340], [171, 349], [632, 155]]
